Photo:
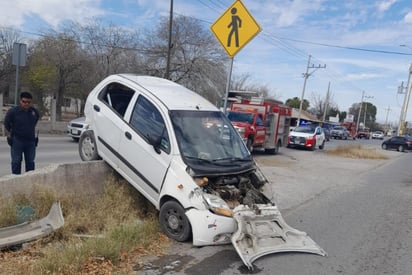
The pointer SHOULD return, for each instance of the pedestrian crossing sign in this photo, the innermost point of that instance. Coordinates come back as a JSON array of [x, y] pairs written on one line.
[[235, 28]]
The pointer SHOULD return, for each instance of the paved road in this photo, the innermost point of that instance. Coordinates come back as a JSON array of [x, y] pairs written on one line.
[[359, 211], [51, 149]]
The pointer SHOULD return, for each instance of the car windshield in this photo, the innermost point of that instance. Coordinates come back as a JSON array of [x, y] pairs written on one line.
[[240, 117], [207, 138], [304, 129]]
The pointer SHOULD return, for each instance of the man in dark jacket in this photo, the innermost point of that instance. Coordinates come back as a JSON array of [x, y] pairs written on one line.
[[20, 123]]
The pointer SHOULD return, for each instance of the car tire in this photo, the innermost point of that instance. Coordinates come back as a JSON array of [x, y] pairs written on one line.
[[88, 147], [384, 147], [401, 148], [173, 221], [275, 150], [313, 147], [75, 139], [249, 144], [322, 145]]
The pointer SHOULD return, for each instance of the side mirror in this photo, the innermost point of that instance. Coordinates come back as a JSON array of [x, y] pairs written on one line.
[[155, 141]]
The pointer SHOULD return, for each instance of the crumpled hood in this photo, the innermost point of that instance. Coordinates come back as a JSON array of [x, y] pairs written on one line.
[[262, 231]]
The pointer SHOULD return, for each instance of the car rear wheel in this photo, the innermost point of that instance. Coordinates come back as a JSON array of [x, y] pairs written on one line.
[[384, 147], [88, 147], [401, 148], [173, 221]]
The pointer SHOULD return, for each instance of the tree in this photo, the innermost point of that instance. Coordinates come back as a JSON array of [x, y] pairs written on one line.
[[368, 117], [56, 63], [295, 103], [7, 69], [196, 59], [244, 82]]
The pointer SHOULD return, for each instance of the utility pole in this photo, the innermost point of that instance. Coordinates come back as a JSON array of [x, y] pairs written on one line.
[[364, 115], [306, 76], [360, 109], [386, 121], [326, 104], [169, 44], [407, 98]]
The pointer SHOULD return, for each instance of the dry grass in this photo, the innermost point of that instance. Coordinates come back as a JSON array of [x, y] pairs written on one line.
[[356, 152], [120, 225]]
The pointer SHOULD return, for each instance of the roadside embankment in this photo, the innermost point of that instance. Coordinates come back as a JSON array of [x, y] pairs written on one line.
[[82, 177]]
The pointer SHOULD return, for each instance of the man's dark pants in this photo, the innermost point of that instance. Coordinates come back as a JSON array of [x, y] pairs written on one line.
[[20, 148]]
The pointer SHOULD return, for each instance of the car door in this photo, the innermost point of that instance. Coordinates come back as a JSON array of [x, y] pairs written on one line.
[[319, 136], [108, 118], [394, 142], [145, 148], [260, 130]]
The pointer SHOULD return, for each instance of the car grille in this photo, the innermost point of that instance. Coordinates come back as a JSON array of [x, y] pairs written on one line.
[[297, 140], [76, 125]]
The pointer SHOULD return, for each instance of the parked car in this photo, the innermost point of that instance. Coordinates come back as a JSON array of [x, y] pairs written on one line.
[[76, 127], [378, 135], [363, 133], [307, 137], [339, 132], [400, 143], [327, 133], [184, 155]]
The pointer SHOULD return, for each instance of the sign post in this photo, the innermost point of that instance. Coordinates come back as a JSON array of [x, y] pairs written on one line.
[[19, 59], [234, 29]]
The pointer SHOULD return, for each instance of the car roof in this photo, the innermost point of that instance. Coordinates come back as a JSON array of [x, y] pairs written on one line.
[[174, 96]]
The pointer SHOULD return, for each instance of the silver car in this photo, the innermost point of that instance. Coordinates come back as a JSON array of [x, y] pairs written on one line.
[[76, 127]]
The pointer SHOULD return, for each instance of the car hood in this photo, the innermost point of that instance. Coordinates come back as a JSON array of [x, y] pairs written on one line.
[[262, 231], [300, 134], [240, 124]]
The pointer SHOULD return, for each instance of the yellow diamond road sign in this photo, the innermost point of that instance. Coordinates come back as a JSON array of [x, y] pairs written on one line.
[[235, 28]]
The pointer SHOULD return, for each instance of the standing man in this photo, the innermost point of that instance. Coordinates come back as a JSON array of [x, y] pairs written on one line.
[[20, 123]]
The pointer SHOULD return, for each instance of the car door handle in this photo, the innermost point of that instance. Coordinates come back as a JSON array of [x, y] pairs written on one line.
[[128, 135], [96, 108]]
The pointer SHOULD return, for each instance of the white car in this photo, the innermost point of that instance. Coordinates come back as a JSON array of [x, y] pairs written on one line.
[[76, 127], [378, 135], [307, 136], [185, 157]]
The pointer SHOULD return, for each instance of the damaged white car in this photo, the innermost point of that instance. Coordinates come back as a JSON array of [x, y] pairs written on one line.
[[184, 156]]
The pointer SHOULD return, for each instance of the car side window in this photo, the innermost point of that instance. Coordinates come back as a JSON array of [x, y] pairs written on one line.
[[117, 96], [149, 124], [259, 121]]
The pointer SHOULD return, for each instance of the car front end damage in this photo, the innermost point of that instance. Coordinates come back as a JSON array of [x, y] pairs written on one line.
[[236, 210]]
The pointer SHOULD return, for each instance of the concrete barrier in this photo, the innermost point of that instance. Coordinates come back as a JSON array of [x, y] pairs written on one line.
[[82, 178]]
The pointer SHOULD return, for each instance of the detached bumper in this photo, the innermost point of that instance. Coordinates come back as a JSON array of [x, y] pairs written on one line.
[[210, 229]]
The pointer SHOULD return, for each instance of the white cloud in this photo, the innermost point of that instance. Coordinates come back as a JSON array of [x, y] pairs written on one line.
[[362, 76], [53, 12], [408, 17], [385, 5]]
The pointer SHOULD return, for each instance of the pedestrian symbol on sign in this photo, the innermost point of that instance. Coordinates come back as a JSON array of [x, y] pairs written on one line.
[[235, 25]]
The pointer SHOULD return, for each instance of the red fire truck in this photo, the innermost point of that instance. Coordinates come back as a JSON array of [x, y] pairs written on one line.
[[262, 123]]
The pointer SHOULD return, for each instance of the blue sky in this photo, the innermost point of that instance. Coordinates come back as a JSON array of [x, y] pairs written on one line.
[[358, 41]]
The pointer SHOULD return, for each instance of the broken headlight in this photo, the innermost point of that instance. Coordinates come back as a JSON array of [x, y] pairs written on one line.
[[217, 205]]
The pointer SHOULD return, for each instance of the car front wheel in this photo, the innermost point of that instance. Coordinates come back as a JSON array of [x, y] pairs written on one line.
[[88, 147], [322, 145], [173, 221], [384, 147]]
